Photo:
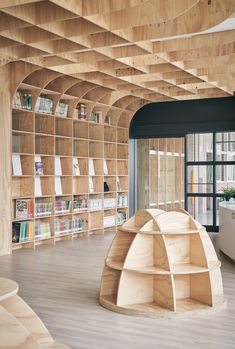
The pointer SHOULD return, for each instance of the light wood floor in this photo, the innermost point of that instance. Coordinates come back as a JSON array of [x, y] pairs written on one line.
[[62, 284]]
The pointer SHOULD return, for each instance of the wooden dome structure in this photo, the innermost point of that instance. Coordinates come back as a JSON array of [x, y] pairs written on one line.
[[161, 263]]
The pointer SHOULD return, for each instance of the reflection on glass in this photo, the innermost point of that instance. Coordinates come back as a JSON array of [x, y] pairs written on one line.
[[225, 146], [200, 179], [201, 208], [225, 176], [200, 147], [218, 200]]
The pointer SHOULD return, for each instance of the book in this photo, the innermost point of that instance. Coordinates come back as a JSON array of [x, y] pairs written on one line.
[[42, 230], [37, 186], [63, 206], [62, 109], [58, 186], [22, 100], [43, 209], [16, 232], [24, 208], [58, 169], [76, 170], [91, 167], [79, 204], [38, 168], [91, 185], [118, 184], [105, 168], [22, 232], [16, 165], [44, 105], [80, 112]]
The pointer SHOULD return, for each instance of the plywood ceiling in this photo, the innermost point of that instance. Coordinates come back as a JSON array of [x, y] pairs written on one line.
[[141, 51]]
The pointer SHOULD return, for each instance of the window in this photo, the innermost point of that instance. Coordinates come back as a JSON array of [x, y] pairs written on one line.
[[210, 166]]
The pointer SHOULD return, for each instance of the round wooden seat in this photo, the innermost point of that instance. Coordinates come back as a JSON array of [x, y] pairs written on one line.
[[8, 288]]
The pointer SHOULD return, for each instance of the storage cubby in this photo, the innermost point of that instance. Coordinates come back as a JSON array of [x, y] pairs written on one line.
[[63, 185], [192, 291], [123, 183], [44, 124], [95, 220], [80, 203], [122, 151], [122, 167], [83, 165], [96, 149], [47, 186], [182, 253], [80, 185], [66, 166], [109, 286], [96, 132], [119, 249], [44, 228], [48, 165], [26, 164], [22, 186], [44, 145], [80, 148], [80, 129], [110, 134], [22, 143], [109, 167], [63, 225], [63, 205], [98, 185], [98, 167], [109, 218], [44, 207], [111, 182], [63, 126], [124, 120], [122, 135], [80, 223], [95, 202], [63, 146], [22, 121], [160, 261], [109, 200], [109, 150]]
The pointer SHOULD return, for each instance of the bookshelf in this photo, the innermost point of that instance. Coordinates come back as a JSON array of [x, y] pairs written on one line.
[[161, 264], [162, 164], [70, 162]]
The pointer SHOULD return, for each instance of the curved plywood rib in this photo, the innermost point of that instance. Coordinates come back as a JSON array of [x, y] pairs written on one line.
[[173, 269], [20, 327]]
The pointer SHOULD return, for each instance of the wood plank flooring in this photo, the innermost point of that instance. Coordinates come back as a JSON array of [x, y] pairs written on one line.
[[62, 285]]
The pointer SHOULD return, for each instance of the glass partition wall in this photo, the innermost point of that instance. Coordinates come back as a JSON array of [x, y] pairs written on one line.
[[209, 167]]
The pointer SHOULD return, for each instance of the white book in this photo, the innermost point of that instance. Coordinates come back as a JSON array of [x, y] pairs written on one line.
[[37, 186], [58, 170], [118, 184], [91, 167], [91, 185], [16, 165], [105, 168], [76, 170], [58, 186]]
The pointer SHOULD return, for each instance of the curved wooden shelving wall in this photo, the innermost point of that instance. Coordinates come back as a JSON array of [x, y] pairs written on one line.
[[50, 135], [161, 264]]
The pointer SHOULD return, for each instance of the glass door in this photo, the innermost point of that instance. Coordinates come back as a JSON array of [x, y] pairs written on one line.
[[209, 167]]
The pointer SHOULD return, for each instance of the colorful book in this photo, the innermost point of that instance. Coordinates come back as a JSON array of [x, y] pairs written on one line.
[[39, 168], [24, 208]]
